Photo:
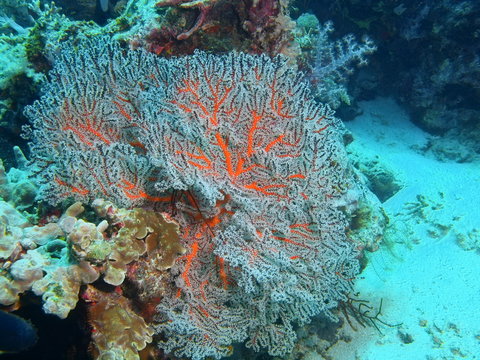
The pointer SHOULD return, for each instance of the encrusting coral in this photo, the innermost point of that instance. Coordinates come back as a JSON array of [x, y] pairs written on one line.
[[142, 231], [40, 261], [15, 185], [56, 259], [84, 256], [117, 331]]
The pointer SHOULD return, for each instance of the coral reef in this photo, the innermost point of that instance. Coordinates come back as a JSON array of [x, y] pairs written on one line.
[[235, 149], [15, 185], [41, 259], [203, 6], [117, 331], [170, 28], [219, 26], [74, 252], [249, 218], [380, 178], [427, 58], [31, 38], [56, 259], [142, 232], [333, 62]]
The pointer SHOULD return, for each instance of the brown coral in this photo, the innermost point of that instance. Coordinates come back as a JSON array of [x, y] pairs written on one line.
[[117, 331], [141, 231]]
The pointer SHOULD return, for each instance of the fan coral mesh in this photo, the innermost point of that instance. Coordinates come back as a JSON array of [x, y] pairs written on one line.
[[253, 170]]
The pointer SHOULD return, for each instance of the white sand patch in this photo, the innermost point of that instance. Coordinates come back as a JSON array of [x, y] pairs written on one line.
[[427, 281]]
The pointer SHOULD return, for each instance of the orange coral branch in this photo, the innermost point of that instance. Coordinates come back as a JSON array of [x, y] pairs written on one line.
[[297, 176], [290, 241], [321, 129], [264, 189], [122, 110], [217, 102], [275, 141], [140, 193], [79, 190], [255, 119], [202, 156], [188, 264], [222, 272], [226, 153]]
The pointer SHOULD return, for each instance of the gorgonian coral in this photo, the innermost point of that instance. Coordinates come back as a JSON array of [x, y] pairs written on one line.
[[234, 147]]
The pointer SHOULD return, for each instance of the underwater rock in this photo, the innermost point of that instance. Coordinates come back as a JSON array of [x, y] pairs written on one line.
[[381, 180], [450, 148], [16, 186]]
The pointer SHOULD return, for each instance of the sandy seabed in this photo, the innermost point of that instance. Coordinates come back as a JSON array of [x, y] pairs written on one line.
[[428, 282]]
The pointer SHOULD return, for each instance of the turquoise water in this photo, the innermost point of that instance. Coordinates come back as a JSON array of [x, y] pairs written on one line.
[[265, 226]]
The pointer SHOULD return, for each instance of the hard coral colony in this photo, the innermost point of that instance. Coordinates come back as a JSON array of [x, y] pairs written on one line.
[[236, 151]]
